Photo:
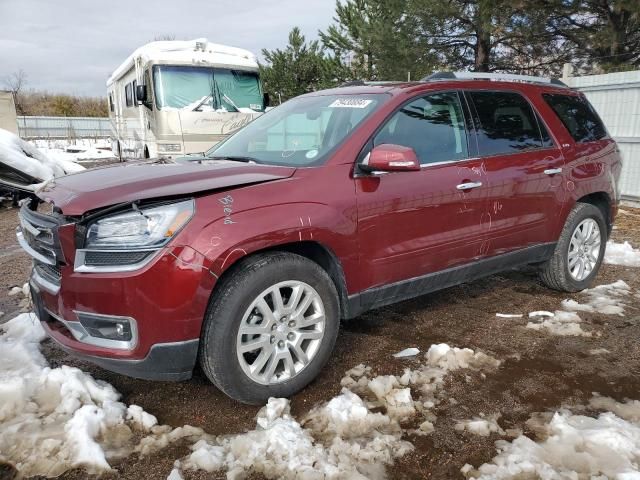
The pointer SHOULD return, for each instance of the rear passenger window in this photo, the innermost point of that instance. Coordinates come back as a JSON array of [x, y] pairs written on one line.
[[433, 126], [507, 123], [577, 114]]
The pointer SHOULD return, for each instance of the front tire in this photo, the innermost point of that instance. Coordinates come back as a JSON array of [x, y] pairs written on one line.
[[270, 327], [579, 251]]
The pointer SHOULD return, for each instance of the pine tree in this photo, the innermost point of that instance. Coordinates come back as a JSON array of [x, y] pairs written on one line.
[[300, 68], [378, 40], [489, 35]]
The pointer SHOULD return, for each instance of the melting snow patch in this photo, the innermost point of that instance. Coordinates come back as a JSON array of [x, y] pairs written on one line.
[[354, 435], [573, 447], [605, 299], [622, 254], [407, 352], [509, 315], [561, 323], [54, 419], [602, 299], [483, 426]]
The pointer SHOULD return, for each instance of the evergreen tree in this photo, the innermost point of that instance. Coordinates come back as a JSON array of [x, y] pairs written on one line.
[[489, 35], [378, 40], [300, 68], [604, 33]]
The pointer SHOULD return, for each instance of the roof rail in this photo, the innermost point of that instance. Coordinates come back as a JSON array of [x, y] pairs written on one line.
[[359, 83], [509, 77]]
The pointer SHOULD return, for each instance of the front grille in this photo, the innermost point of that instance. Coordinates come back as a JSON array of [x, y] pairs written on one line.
[[104, 259], [39, 231], [48, 272]]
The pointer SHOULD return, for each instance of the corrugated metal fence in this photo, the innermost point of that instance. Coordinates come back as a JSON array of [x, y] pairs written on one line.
[[63, 127], [616, 97]]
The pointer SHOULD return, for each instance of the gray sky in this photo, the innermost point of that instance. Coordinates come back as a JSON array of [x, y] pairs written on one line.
[[72, 46]]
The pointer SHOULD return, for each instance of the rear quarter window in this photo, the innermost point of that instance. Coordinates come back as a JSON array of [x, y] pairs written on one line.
[[578, 116]]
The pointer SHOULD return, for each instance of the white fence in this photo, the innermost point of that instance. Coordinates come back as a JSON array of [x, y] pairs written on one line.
[[63, 127], [616, 97]]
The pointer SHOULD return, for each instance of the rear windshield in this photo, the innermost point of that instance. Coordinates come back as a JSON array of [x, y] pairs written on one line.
[[577, 114]]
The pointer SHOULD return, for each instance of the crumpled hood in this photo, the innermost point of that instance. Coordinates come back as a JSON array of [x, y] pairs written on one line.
[[78, 193]]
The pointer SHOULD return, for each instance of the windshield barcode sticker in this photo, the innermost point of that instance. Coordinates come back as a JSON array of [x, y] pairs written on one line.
[[350, 103]]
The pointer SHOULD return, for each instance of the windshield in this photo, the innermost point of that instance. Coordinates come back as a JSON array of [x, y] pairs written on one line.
[[206, 89], [300, 132]]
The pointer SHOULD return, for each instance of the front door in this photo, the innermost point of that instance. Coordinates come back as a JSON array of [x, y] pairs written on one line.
[[411, 224]]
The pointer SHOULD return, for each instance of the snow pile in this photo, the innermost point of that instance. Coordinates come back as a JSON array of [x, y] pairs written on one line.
[[483, 426], [354, 435], [573, 447], [561, 323], [622, 254], [55, 419], [76, 150], [602, 299], [26, 158], [605, 299]]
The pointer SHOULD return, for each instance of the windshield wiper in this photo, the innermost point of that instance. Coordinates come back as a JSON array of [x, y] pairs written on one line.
[[230, 102], [236, 158], [202, 102]]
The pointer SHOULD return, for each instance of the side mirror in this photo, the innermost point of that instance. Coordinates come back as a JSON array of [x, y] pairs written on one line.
[[266, 100], [141, 93], [391, 158]]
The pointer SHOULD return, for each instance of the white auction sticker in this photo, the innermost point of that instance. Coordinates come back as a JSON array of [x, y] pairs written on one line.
[[350, 103]]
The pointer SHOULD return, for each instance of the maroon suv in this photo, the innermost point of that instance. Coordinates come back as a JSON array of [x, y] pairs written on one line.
[[336, 202]]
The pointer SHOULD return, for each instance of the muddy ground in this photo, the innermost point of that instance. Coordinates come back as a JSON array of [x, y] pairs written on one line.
[[540, 372]]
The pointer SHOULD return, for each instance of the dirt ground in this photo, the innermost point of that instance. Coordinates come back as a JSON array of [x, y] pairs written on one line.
[[540, 372]]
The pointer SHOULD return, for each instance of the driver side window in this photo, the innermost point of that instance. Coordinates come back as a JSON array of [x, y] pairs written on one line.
[[432, 125]]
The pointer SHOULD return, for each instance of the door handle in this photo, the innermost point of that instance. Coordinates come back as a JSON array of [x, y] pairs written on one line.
[[553, 171], [469, 185]]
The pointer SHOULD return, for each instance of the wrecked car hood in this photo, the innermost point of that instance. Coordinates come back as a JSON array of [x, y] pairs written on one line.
[[78, 193]]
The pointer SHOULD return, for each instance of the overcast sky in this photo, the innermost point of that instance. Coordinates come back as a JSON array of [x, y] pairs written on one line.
[[72, 46]]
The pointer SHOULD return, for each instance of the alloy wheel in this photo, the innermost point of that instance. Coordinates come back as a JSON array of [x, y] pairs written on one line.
[[281, 332]]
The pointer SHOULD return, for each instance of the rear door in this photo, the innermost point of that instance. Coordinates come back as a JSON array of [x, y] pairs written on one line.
[[414, 223], [524, 168]]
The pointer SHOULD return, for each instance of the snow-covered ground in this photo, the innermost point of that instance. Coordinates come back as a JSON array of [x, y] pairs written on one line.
[[56, 419], [78, 150]]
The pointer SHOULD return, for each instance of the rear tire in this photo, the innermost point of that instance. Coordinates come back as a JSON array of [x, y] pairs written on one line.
[[574, 264], [286, 336]]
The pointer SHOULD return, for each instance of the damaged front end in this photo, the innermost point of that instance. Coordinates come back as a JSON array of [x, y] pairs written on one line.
[[100, 285]]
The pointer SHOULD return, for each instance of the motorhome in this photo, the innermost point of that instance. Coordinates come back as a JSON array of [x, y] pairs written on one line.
[[171, 98]]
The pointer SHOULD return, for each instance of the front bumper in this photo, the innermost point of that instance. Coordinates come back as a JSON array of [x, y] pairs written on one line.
[[164, 301], [165, 361]]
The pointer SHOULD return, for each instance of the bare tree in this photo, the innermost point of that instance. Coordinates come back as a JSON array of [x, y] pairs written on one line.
[[16, 83]]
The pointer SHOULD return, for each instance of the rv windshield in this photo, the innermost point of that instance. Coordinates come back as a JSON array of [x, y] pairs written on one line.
[[301, 132], [206, 89]]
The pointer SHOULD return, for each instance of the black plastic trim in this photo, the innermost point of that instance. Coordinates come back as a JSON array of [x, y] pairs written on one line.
[[414, 287], [165, 361]]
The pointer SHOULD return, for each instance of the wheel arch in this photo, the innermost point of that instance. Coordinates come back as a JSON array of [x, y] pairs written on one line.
[[312, 250], [602, 201]]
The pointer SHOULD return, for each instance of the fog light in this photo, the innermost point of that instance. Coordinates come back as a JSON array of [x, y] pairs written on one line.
[[104, 326]]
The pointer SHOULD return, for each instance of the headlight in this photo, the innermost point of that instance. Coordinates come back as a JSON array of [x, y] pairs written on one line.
[[169, 147], [146, 228]]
